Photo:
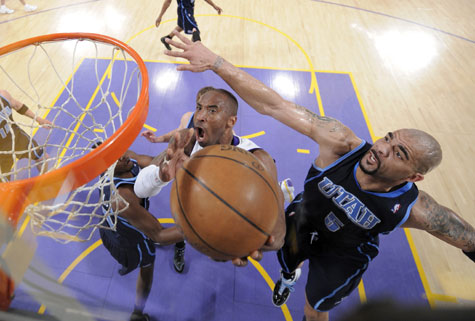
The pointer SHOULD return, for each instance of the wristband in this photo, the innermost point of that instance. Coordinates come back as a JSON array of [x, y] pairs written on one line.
[[471, 255], [23, 109], [148, 182]]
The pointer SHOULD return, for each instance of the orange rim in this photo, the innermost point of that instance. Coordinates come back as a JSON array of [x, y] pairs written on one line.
[[16, 195]]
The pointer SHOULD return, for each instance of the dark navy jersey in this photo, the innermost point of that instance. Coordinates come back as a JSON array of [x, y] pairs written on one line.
[[186, 3], [337, 209], [123, 227]]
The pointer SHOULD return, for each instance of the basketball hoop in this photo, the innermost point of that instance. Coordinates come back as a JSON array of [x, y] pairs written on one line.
[[75, 162]]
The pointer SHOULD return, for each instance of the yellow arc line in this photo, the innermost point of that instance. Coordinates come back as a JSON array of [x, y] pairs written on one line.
[[270, 283], [254, 135]]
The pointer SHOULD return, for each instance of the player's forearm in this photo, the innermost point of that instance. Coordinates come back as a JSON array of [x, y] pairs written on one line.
[[260, 97], [167, 236], [149, 225], [442, 222]]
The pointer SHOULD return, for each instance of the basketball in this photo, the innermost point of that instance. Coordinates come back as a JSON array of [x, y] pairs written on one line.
[[224, 201]]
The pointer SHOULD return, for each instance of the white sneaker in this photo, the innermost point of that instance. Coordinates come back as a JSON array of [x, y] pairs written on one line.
[[4, 9], [29, 7], [284, 287], [288, 189]]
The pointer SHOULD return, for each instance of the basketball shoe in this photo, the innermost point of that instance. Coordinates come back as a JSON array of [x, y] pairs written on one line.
[[284, 286], [162, 39], [5, 9], [29, 7], [139, 316], [288, 189], [179, 258]]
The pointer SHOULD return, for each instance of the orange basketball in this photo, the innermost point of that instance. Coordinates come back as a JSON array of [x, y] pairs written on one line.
[[225, 202]]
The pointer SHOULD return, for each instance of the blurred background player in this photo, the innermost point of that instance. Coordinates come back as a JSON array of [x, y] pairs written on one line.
[[186, 18], [14, 142], [27, 7]]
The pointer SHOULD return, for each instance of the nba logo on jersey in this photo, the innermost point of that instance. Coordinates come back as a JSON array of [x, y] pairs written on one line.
[[396, 208]]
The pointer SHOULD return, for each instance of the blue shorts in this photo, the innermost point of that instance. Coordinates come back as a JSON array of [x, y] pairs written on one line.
[[186, 20], [130, 252], [334, 271]]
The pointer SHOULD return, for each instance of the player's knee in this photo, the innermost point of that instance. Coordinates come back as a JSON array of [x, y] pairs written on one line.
[[313, 315]]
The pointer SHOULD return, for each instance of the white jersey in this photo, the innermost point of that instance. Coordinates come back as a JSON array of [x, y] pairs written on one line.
[[243, 143]]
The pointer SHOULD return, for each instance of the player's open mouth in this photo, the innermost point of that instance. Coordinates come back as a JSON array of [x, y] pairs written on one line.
[[373, 158], [200, 134]]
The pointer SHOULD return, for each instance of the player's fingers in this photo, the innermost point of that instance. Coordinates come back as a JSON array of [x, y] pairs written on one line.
[[256, 255], [182, 37], [270, 240], [174, 53], [239, 262], [189, 136], [176, 44]]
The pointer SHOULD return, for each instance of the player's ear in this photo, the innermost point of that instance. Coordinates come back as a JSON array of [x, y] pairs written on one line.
[[417, 177], [232, 121]]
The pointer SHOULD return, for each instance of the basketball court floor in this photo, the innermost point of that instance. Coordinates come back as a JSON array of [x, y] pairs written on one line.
[[335, 76]]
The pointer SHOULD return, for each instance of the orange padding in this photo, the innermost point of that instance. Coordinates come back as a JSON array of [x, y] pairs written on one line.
[[6, 291]]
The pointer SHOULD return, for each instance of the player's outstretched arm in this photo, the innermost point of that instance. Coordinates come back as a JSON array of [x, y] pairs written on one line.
[[443, 223], [326, 131], [24, 110], [142, 219]]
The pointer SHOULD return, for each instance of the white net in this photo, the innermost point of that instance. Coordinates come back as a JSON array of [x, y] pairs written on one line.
[[99, 85]]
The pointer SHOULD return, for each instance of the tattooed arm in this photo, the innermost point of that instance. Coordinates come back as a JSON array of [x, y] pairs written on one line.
[[441, 222], [329, 133]]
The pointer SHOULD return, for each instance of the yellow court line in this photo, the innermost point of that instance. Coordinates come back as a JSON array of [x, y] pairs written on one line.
[[254, 135], [417, 260], [363, 110], [114, 97], [430, 296], [83, 255], [444, 298], [314, 83], [79, 123], [362, 292], [270, 283], [150, 127]]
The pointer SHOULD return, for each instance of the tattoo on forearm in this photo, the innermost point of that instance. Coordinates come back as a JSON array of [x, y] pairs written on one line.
[[320, 121], [217, 63], [447, 224]]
